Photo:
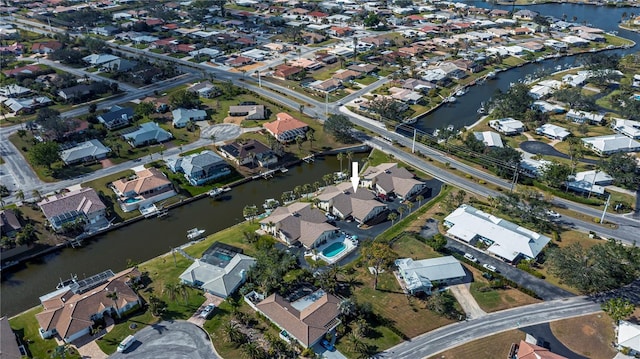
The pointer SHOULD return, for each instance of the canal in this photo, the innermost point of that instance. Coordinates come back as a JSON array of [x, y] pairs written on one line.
[[463, 111], [149, 238]]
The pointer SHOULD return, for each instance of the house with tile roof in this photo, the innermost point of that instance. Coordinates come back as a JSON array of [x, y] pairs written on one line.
[[147, 186], [182, 116], [200, 168], [286, 72], [503, 239], [46, 47], [28, 70], [9, 342], [341, 201], [422, 275], [71, 311], [531, 351], [299, 223], [286, 128], [83, 204], [92, 150], [248, 152], [388, 178], [146, 134], [220, 277], [306, 320]]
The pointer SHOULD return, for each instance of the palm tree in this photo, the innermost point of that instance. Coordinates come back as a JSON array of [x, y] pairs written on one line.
[[114, 296], [251, 350], [310, 137], [349, 158], [171, 290], [392, 217], [356, 343], [316, 186], [232, 333], [328, 179], [420, 198], [183, 289], [409, 206], [340, 158], [20, 195], [347, 308], [36, 194], [299, 142], [401, 210]]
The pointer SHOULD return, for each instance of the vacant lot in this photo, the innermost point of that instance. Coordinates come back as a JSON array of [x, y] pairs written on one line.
[[493, 347], [590, 335]]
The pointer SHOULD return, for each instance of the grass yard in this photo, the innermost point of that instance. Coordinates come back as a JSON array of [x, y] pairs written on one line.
[[595, 338], [495, 346], [493, 300], [141, 319], [101, 185], [26, 327], [367, 80], [409, 246], [232, 236]]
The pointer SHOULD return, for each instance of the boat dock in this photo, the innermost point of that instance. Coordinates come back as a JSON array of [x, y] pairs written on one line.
[[309, 159], [266, 175]]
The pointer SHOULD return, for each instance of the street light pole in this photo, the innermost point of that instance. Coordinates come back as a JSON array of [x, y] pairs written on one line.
[[604, 211], [326, 103], [413, 145]]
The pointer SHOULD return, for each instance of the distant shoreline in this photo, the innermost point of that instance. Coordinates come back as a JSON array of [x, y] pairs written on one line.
[[573, 2]]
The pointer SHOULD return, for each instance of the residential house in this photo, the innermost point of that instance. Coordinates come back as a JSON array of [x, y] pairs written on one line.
[[628, 128], [306, 320], [160, 104], [423, 275], [116, 117], [307, 64], [286, 128], [146, 134], [75, 92], [182, 116], [16, 49], [22, 106], [46, 47], [502, 238], [343, 202], [388, 178], [527, 15], [249, 152], [205, 89], [87, 151], [610, 144], [545, 107], [119, 65], [489, 138], [532, 168], [583, 116], [99, 59], [589, 181], [553, 132], [364, 69], [238, 61], [346, 75], [628, 337], [147, 186], [105, 30], [248, 112], [575, 80], [507, 126], [9, 341], [9, 223], [14, 90], [299, 223], [200, 168], [71, 311], [326, 86], [220, 271], [78, 205], [405, 95], [27, 70], [286, 72], [531, 351]]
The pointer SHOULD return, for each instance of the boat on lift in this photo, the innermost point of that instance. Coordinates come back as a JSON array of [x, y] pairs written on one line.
[[194, 233]]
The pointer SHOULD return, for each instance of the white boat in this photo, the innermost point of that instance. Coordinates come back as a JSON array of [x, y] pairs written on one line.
[[461, 92], [194, 233], [450, 99], [491, 75], [148, 211], [218, 191], [450, 128], [482, 111], [163, 213], [271, 203]]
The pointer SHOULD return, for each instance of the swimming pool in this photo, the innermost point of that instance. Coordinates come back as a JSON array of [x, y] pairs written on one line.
[[333, 249], [131, 200]]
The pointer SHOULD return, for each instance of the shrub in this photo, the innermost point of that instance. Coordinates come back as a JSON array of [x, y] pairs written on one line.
[[596, 220], [308, 352], [482, 182], [468, 176]]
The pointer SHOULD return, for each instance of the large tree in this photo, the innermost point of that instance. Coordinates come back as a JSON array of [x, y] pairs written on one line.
[[45, 153], [379, 256], [51, 122], [618, 308], [184, 99], [623, 168], [513, 103], [340, 127], [554, 174], [602, 267]]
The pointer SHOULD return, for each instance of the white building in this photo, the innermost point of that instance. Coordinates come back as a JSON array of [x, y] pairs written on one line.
[[503, 239], [489, 138], [628, 128], [589, 181], [422, 275], [507, 126], [629, 336], [553, 132], [609, 144]]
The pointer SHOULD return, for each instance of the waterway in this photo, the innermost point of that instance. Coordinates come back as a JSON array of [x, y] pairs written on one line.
[[149, 238], [463, 112], [146, 239]]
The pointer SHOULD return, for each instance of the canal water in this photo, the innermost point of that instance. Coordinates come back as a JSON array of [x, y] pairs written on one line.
[[463, 111], [149, 238]]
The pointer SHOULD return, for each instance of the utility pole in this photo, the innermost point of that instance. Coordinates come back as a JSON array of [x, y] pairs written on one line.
[[326, 103], [515, 178], [413, 145], [604, 211], [259, 80]]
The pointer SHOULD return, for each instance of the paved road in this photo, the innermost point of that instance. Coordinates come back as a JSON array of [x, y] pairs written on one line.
[[544, 336], [537, 147], [175, 340], [453, 335]]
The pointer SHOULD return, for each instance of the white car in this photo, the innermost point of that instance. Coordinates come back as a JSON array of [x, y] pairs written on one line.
[[489, 267], [471, 258], [553, 214], [206, 312]]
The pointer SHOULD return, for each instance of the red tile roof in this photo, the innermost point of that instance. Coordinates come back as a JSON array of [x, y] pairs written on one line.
[[284, 122]]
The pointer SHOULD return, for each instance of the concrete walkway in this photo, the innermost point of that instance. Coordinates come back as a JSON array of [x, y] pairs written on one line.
[[467, 301]]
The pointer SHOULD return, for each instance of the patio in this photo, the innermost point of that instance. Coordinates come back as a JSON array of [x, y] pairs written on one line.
[[334, 250]]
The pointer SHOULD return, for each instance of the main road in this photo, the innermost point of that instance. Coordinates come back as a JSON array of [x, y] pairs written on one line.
[[450, 336]]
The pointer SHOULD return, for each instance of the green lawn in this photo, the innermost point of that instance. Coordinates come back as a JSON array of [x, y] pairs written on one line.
[[232, 236], [409, 246], [138, 320], [367, 80]]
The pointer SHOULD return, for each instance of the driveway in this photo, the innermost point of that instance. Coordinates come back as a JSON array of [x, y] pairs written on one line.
[[545, 290], [170, 339], [467, 301], [541, 148], [544, 336]]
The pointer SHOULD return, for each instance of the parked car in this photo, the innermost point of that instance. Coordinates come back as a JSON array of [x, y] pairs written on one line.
[[471, 258], [490, 267], [325, 343], [206, 312], [553, 214]]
